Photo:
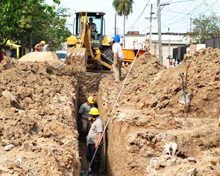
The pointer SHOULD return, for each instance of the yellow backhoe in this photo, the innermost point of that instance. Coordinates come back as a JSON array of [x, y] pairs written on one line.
[[86, 50]]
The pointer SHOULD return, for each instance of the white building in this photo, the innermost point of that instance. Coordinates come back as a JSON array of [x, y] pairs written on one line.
[[169, 41]]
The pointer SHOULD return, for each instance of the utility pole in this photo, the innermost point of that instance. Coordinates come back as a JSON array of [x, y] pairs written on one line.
[[31, 41], [190, 30], [115, 23], [159, 32], [151, 19], [151, 13], [169, 47], [200, 30], [159, 29], [124, 32]]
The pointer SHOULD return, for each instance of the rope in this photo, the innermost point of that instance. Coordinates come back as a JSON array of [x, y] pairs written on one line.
[[90, 164]]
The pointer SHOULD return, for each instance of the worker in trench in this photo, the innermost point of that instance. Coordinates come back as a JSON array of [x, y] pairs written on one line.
[[93, 139], [83, 117], [118, 57]]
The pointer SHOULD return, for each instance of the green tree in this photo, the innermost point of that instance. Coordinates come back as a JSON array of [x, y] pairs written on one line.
[[43, 26], [11, 13], [123, 7], [30, 21], [205, 27]]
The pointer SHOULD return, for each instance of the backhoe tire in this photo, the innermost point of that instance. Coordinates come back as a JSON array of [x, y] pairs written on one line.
[[109, 57]]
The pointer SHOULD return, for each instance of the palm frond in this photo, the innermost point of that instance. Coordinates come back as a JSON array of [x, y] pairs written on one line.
[[123, 7]]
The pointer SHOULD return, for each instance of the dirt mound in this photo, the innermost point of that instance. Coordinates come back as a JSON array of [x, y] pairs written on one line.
[[49, 57], [206, 163], [38, 132], [148, 115], [152, 88]]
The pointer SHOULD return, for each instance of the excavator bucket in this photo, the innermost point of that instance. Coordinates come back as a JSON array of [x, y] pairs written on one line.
[[77, 58], [49, 57]]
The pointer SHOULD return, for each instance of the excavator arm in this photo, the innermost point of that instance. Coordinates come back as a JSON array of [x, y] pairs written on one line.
[[84, 35], [77, 56]]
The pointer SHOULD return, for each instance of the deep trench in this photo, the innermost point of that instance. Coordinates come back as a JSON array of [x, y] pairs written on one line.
[[82, 97], [82, 145]]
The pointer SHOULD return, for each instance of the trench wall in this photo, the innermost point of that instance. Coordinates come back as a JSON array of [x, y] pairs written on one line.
[[88, 83], [135, 139], [130, 149]]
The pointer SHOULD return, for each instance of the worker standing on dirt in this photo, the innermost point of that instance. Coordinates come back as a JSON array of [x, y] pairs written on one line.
[[39, 47], [83, 116], [94, 137], [42, 45], [92, 27], [47, 47], [118, 57]]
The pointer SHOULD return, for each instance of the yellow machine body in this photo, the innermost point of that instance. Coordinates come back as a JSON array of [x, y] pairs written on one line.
[[96, 48]]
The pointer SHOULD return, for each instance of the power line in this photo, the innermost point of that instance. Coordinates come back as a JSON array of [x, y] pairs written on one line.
[[138, 17], [145, 29], [179, 1], [210, 7], [186, 16], [173, 7], [180, 12], [140, 23], [174, 11], [195, 10], [180, 27], [152, 20], [174, 2]]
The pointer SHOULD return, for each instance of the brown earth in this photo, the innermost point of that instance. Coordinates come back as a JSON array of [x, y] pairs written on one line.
[[49, 57], [44, 134], [148, 116]]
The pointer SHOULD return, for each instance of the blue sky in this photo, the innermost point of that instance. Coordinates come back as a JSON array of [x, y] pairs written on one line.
[[175, 16]]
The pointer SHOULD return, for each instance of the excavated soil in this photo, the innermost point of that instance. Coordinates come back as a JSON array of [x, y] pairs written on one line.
[[49, 57], [38, 120], [148, 116]]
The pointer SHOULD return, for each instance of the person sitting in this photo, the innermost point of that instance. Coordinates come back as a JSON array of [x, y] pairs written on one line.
[[92, 27]]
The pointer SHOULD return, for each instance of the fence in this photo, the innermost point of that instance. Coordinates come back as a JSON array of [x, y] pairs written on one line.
[[178, 53], [213, 42]]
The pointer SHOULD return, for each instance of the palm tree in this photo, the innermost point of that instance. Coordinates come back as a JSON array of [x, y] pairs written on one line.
[[123, 7]]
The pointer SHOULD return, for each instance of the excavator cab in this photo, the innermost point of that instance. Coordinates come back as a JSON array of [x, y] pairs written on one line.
[[98, 20], [96, 50]]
